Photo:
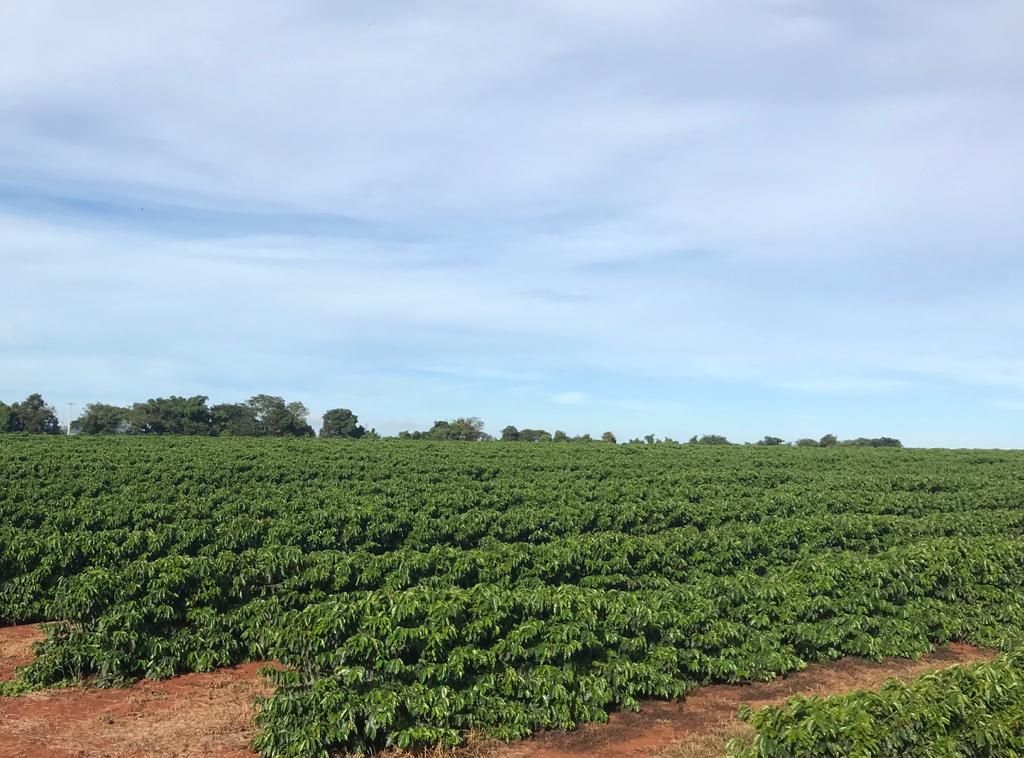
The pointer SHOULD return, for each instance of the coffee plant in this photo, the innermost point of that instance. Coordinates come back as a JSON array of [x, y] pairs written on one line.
[[414, 592], [959, 712]]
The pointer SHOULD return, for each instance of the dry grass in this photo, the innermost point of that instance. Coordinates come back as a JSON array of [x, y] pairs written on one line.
[[711, 745]]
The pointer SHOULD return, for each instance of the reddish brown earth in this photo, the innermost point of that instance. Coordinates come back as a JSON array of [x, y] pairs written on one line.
[[16, 647], [192, 715], [212, 714], [701, 724]]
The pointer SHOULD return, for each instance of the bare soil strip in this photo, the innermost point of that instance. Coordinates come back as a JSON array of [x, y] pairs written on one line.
[[16, 647], [701, 724], [212, 714], [192, 715]]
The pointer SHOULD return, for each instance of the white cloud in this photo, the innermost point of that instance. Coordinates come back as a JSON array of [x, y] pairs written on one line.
[[819, 199]]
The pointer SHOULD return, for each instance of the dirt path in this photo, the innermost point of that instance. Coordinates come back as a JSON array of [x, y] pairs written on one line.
[[701, 724], [16, 647], [192, 715], [211, 714]]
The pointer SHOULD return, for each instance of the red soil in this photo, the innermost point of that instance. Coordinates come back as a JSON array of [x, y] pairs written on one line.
[[16, 647], [701, 724], [192, 715], [212, 714]]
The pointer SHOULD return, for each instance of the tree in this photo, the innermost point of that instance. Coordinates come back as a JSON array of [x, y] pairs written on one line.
[[829, 440], [467, 429], [6, 418], [470, 429], [172, 415], [34, 416], [609, 437], [275, 418], [709, 439], [101, 418], [534, 435], [560, 436], [441, 430], [509, 434], [806, 442], [886, 442], [771, 441], [872, 442], [235, 420], [341, 422], [650, 438]]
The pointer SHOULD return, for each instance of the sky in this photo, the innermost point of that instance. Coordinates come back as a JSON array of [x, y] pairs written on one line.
[[673, 217]]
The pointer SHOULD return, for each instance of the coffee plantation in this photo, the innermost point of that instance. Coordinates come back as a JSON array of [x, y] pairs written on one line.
[[418, 591]]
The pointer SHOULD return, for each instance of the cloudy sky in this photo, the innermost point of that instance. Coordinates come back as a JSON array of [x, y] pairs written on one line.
[[741, 217]]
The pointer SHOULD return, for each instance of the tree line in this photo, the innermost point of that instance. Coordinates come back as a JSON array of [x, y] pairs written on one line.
[[272, 416], [471, 429], [259, 416]]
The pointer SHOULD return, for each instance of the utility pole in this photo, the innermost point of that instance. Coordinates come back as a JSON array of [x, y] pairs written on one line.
[[70, 407]]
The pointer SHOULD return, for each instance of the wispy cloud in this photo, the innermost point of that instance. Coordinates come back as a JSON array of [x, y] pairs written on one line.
[[197, 221], [819, 203]]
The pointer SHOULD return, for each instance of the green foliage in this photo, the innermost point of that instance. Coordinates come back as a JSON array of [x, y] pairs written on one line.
[[172, 415], [341, 422], [236, 420], [276, 418], [6, 418], [100, 418], [418, 591], [260, 416], [872, 442], [709, 439], [511, 434], [466, 429], [33, 416], [972, 711]]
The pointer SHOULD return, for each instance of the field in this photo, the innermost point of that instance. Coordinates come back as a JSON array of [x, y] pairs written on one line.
[[416, 592]]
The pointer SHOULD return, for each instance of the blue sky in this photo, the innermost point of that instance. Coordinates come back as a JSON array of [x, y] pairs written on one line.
[[772, 217]]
